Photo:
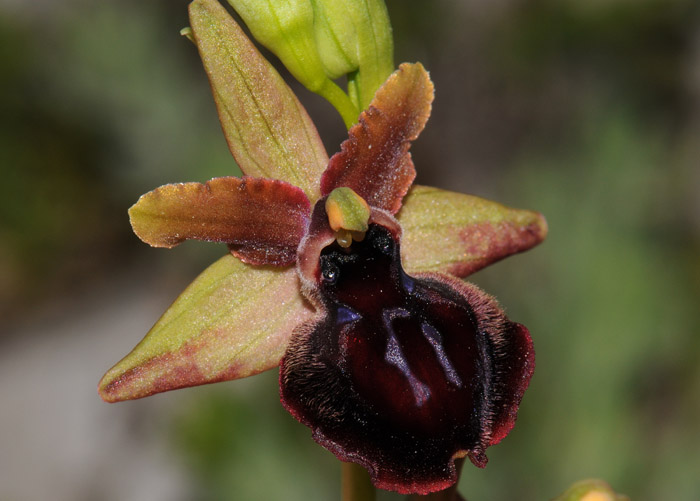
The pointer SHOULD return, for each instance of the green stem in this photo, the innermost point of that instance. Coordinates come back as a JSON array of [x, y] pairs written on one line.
[[340, 101], [355, 484]]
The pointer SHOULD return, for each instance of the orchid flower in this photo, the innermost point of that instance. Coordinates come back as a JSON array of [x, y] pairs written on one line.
[[342, 272]]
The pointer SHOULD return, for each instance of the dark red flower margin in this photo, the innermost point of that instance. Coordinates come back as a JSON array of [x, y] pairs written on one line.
[[390, 359]]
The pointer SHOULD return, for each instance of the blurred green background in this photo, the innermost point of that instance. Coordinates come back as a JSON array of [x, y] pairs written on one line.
[[588, 111]]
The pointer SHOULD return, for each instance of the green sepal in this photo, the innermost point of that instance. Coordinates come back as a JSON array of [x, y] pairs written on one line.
[[266, 127], [219, 328], [459, 234], [287, 29]]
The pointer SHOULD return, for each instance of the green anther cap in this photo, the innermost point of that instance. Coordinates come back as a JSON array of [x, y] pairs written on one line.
[[187, 32], [348, 215]]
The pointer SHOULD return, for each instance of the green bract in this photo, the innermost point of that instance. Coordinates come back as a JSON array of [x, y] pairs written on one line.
[[375, 49], [322, 40], [347, 210], [336, 37]]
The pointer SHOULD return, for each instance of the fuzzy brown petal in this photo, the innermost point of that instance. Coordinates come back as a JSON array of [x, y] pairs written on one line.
[[374, 161], [263, 220]]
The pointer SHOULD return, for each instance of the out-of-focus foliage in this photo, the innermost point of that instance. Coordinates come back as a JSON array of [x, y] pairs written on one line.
[[588, 111], [243, 445], [614, 297], [84, 129]]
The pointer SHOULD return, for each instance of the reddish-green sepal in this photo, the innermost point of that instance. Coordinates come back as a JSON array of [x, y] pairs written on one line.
[[459, 234], [262, 220], [218, 329], [267, 129], [374, 161]]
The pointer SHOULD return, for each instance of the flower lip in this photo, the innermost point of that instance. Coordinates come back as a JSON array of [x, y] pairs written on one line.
[[400, 374]]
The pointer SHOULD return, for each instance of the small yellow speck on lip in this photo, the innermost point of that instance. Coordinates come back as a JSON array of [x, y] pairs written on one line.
[[348, 215]]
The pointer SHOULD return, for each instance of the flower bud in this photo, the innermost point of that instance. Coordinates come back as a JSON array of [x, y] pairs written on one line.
[[591, 490], [287, 29], [322, 40], [375, 50], [336, 36]]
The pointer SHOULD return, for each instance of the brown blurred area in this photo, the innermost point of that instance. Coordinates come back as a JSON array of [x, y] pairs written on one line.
[[588, 111]]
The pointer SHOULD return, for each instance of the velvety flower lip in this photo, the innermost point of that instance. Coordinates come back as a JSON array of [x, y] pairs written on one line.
[[391, 360], [401, 374]]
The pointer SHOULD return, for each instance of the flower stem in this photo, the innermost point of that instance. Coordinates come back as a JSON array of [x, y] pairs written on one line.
[[340, 101], [355, 484]]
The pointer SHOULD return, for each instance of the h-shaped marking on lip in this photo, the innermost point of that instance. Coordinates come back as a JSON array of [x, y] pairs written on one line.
[[345, 315], [435, 339], [394, 356]]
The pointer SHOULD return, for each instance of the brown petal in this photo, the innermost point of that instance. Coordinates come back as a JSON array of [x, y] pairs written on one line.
[[220, 328], [374, 161], [267, 129], [262, 219], [459, 234]]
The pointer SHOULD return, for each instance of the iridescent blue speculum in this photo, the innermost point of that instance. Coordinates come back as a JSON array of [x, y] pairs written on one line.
[[401, 374]]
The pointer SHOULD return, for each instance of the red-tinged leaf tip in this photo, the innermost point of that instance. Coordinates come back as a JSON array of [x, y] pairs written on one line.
[[459, 234], [374, 161], [267, 129], [263, 220], [218, 329]]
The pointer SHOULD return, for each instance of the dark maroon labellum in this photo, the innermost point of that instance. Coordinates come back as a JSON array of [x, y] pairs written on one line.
[[404, 374]]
